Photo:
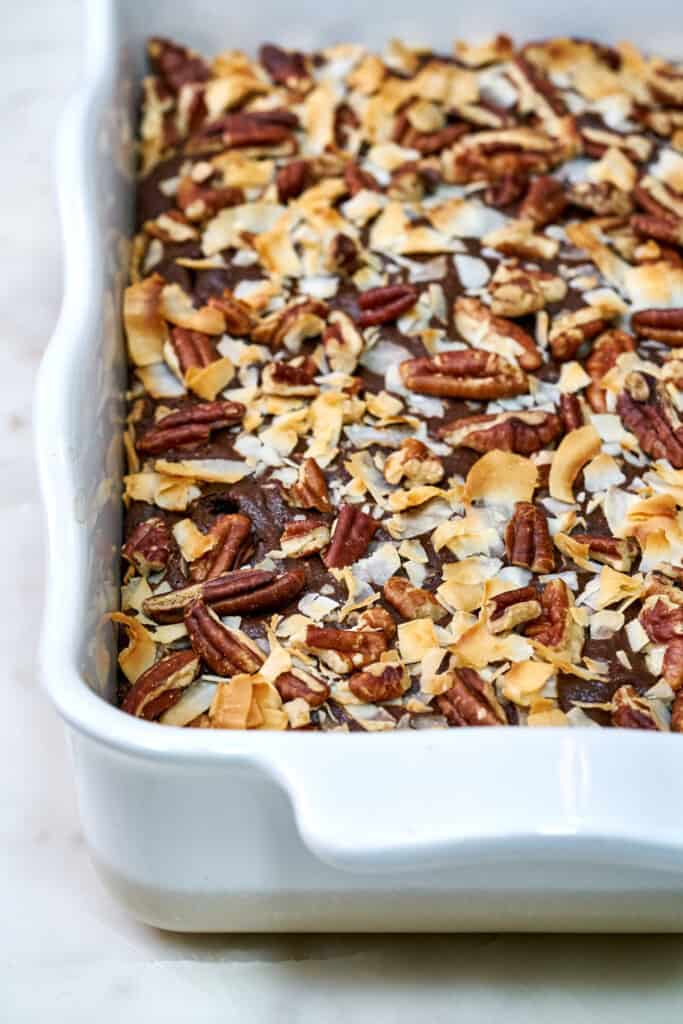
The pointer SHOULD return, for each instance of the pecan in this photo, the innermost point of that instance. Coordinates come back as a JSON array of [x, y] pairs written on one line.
[[569, 331], [149, 546], [661, 619], [544, 202], [233, 544], [619, 554], [298, 684], [305, 537], [289, 326], [282, 378], [378, 618], [379, 682], [602, 199], [226, 651], [665, 325], [481, 329], [344, 255], [677, 713], [630, 711], [352, 534], [310, 490], [606, 350], [527, 539], [255, 129], [240, 592], [190, 426], [556, 627], [345, 649], [505, 191], [238, 315], [192, 348], [649, 203], [415, 462], [571, 412], [647, 411], [292, 179], [357, 180], [286, 67], [470, 700], [520, 432], [464, 373], [200, 201], [408, 183], [380, 305], [161, 685], [672, 665], [664, 229], [176, 65], [513, 608], [517, 291], [412, 602], [428, 143]]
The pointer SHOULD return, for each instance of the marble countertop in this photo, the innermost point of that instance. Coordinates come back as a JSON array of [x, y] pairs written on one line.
[[65, 949]]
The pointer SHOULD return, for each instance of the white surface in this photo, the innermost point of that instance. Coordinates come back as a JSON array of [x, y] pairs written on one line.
[[65, 951]]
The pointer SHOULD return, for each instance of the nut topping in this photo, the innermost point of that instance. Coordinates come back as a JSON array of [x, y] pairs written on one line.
[[665, 325], [238, 315], [544, 202], [647, 411], [192, 348], [190, 426], [517, 291], [292, 179], [351, 536], [286, 67], [305, 537], [412, 602], [310, 490], [482, 330], [232, 547], [527, 539], [619, 554], [241, 592], [629, 711], [571, 413], [470, 701], [570, 330], [343, 650], [557, 628], [520, 432], [161, 685], [606, 350], [464, 373], [226, 651], [513, 608], [381, 305], [415, 462], [672, 665], [297, 684], [149, 546], [379, 683]]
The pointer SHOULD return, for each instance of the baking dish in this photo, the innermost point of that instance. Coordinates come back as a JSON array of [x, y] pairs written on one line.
[[200, 830]]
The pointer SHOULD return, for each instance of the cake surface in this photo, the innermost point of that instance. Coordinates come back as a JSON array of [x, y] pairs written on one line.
[[404, 431]]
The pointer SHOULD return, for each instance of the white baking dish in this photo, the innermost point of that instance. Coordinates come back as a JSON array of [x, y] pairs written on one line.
[[199, 830]]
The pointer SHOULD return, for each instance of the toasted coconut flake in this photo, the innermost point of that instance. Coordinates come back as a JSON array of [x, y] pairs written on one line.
[[617, 586], [574, 451], [177, 308], [415, 639], [543, 715], [168, 492], [218, 471], [601, 473], [140, 652], [195, 700], [523, 682], [159, 382], [146, 331], [191, 541], [614, 168], [501, 478], [208, 381], [477, 647], [573, 378], [228, 227], [327, 412], [519, 239]]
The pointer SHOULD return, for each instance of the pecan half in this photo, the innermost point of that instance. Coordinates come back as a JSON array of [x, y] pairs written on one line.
[[190, 426], [233, 545], [343, 650], [677, 713], [161, 685], [149, 546], [238, 315], [292, 179], [378, 618], [412, 602], [665, 325], [352, 534], [357, 180], [201, 201], [380, 305], [464, 373], [282, 378], [240, 592], [427, 143], [255, 129], [606, 350], [544, 202], [571, 413], [647, 411], [414, 461], [289, 326], [569, 331], [505, 191], [518, 291], [512, 608], [470, 701], [520, 432], [661, 619], [672, 665], [556, 627], [176, 65], [619, 554], [664, 229], [192, 348], [310, 490], [379, 682], [602, 199], [298, 684], [344, 255], [303, 538], [527, 539], [286, 67], [482, 330], [630, 711], [226, 651]]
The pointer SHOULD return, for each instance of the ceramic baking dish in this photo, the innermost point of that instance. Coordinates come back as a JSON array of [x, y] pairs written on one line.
[[198, 830]]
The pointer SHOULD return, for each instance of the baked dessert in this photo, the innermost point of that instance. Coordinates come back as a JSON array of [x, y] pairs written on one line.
[[404, 432]]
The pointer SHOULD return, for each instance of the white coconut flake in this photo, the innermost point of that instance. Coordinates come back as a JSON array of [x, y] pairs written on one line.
[[473, 272], [578, 719], [316, 606], [378, 567], [195, 701], [319, 286]]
